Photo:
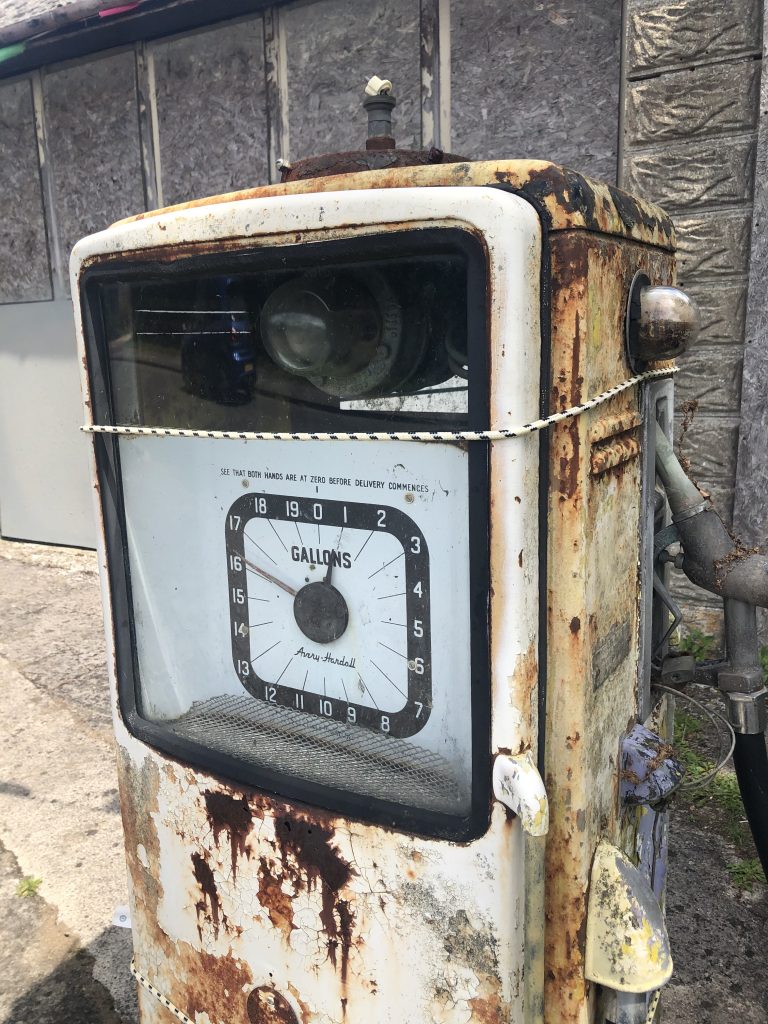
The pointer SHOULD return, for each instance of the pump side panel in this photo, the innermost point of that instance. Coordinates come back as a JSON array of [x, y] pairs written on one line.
[[593, 587]]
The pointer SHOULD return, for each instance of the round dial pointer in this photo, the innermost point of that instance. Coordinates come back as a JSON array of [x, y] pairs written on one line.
[[272, 579]]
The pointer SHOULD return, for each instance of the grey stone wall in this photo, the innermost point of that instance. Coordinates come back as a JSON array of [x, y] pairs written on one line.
[[24, 271], [332, 49], [93, 146], [689, 142], [537, 81], [751, 497], [749, 517], [210, 98]]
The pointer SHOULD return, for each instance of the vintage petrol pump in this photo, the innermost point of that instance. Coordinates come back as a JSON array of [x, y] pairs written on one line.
[[374, 461]]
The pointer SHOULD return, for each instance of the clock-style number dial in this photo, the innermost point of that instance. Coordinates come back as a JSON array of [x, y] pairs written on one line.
[[329, 605]]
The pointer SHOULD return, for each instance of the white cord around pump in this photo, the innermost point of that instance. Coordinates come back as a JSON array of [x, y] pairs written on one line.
[[400, 435]]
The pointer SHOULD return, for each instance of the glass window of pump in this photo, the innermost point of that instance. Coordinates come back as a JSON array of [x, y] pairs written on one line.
[[306, 615]]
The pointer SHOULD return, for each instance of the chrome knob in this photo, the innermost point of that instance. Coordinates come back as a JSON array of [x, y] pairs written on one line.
[[662, 321]]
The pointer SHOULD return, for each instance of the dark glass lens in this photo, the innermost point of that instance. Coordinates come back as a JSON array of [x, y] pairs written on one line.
[[321, 325], [297, 330]]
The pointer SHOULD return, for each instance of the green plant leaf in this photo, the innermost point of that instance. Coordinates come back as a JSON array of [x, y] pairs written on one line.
[[28, 886], [701, 645], [746, 874]]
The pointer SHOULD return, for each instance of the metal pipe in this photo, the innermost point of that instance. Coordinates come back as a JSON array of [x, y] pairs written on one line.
[[742, 683], [712, 560], [682, 493], [379, 104], [741, 643], [741, 679]]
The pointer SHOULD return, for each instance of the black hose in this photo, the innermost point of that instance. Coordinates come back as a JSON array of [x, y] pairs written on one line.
[[750, 760]]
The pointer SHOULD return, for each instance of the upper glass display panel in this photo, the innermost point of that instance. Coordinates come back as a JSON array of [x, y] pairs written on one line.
[[315, 337]]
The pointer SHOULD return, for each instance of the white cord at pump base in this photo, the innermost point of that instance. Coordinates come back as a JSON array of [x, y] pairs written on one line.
[[397, 435], [159, 995], [652, 1007]]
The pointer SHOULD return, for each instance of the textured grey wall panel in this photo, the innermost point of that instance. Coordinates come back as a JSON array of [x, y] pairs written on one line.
[[211, 110], [719, 172], [688, 31], [713, 244], [93, 136], [711, 374], [723, 310], [752, 481], [333, 49], [537, 80], [689, 133], [710, 444], [24, 273], [691, 104], [702, 610]]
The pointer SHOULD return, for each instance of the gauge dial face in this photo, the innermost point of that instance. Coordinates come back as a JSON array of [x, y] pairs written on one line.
[[330, 609], [312, 621]]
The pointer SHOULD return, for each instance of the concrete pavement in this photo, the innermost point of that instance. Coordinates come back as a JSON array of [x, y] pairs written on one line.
[[44, 973], [59, 809]]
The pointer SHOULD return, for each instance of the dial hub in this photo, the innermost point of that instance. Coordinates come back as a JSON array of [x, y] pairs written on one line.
[[321, 612]]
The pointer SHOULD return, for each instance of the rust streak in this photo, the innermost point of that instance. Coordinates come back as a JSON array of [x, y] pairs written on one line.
[[229, 814], [318, 863], [526, 681], [568, 480], [208, 982], [210, 901], [279, 905], [488, 1009]]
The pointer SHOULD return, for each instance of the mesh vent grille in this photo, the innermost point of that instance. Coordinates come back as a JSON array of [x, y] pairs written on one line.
[[329, 753]]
